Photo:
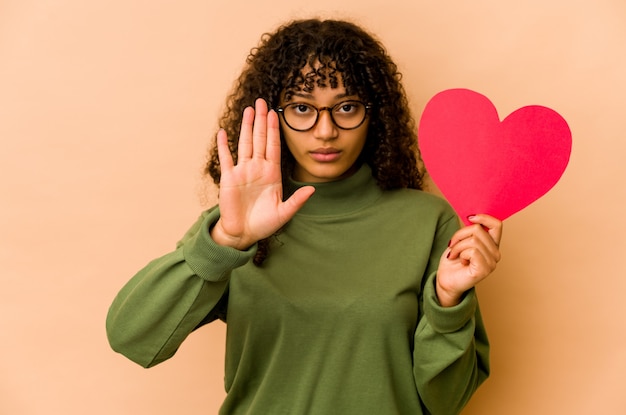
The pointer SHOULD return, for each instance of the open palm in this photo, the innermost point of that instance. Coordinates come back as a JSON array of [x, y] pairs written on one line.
[[251, 192]]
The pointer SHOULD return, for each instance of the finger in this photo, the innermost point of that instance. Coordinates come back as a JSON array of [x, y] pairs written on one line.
[[474, 264], [272, 151], [479, 265], [461, 245], [492, 225], [476, 252], [259, 132], [473, 237], [245, 135], [223, 151]]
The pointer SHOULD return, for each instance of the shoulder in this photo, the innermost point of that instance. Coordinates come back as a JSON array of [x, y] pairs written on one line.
[[416, 217], [417, 210]]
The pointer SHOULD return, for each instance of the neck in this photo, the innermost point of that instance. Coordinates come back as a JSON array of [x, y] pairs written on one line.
[[341, 196]]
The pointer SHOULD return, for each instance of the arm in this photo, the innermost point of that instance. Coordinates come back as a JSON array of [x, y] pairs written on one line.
[[171, 296], [166, 300], [451, 357]]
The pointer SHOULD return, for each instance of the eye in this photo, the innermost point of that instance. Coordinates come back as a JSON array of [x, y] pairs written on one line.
[[346, 108], [301, 109]]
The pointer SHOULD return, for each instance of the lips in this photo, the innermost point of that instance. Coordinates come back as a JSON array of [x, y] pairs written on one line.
[[325, 155]]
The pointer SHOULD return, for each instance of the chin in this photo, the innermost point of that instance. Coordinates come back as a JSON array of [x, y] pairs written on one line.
[[324, 174]]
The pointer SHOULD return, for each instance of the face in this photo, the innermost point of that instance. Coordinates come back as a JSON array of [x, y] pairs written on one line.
[[326, 152]]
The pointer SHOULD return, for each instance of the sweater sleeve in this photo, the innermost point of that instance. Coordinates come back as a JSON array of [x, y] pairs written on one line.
[[166, 300], [451, 354]]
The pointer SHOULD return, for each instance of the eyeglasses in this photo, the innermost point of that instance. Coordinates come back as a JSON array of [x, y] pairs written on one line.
[[346, 115]]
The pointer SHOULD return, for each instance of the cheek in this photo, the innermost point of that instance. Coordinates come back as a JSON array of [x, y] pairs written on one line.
[[361, 141]]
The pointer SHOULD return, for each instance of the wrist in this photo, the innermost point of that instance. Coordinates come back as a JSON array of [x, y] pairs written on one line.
[[223, 238], [445, 297]]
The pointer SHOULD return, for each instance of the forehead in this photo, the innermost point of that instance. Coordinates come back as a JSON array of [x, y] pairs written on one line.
[[316, 80], [323, 96]]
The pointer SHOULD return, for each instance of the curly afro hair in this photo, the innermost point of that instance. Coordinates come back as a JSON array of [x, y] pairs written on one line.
[[325, 48]]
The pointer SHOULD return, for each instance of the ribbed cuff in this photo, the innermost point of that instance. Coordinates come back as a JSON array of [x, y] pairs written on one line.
[[447, 319], [210, 261]]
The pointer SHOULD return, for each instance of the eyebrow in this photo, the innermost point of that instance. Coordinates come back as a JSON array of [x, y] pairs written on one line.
[[310, 96]]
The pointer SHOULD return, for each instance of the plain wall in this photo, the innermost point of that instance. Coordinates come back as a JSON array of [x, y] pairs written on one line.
[[107, 109]]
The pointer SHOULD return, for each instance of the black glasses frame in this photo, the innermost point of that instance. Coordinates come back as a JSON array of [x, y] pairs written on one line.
[[281, 111]]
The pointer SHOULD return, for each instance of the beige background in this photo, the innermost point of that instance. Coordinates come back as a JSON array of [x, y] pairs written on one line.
[[106, 109]]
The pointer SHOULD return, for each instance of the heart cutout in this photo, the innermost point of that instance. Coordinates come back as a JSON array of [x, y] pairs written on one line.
[[484, 165]]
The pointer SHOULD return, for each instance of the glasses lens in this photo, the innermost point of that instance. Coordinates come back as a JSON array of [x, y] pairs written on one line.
[[300, 116], [348, 114]]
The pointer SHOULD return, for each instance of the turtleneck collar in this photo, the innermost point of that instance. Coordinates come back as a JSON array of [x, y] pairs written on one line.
[[340, 197]]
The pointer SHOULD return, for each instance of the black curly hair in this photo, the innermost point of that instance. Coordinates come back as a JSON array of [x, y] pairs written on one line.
[[274, 69]]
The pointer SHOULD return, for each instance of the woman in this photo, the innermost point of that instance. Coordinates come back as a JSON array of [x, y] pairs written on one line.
[[345, 288]]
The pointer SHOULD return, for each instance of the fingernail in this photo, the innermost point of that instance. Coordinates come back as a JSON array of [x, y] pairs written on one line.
[[471, 217], [448, 256], [449, 242]]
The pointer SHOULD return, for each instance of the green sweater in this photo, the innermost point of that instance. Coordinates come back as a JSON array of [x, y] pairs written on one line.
[[342, 318]]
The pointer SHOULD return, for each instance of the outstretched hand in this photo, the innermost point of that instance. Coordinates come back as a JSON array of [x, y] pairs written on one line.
[[472, 255], [251, 192]]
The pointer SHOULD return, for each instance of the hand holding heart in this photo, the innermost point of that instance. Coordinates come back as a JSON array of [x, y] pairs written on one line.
[[472, 255], [488, 170]]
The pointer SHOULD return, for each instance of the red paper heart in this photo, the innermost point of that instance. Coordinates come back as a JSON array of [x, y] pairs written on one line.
[[482, 165]]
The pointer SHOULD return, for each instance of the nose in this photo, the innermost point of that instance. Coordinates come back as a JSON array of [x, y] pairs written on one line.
[[325, 129]]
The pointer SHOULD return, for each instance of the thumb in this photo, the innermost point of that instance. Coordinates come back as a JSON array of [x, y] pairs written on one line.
[[295, 202]]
